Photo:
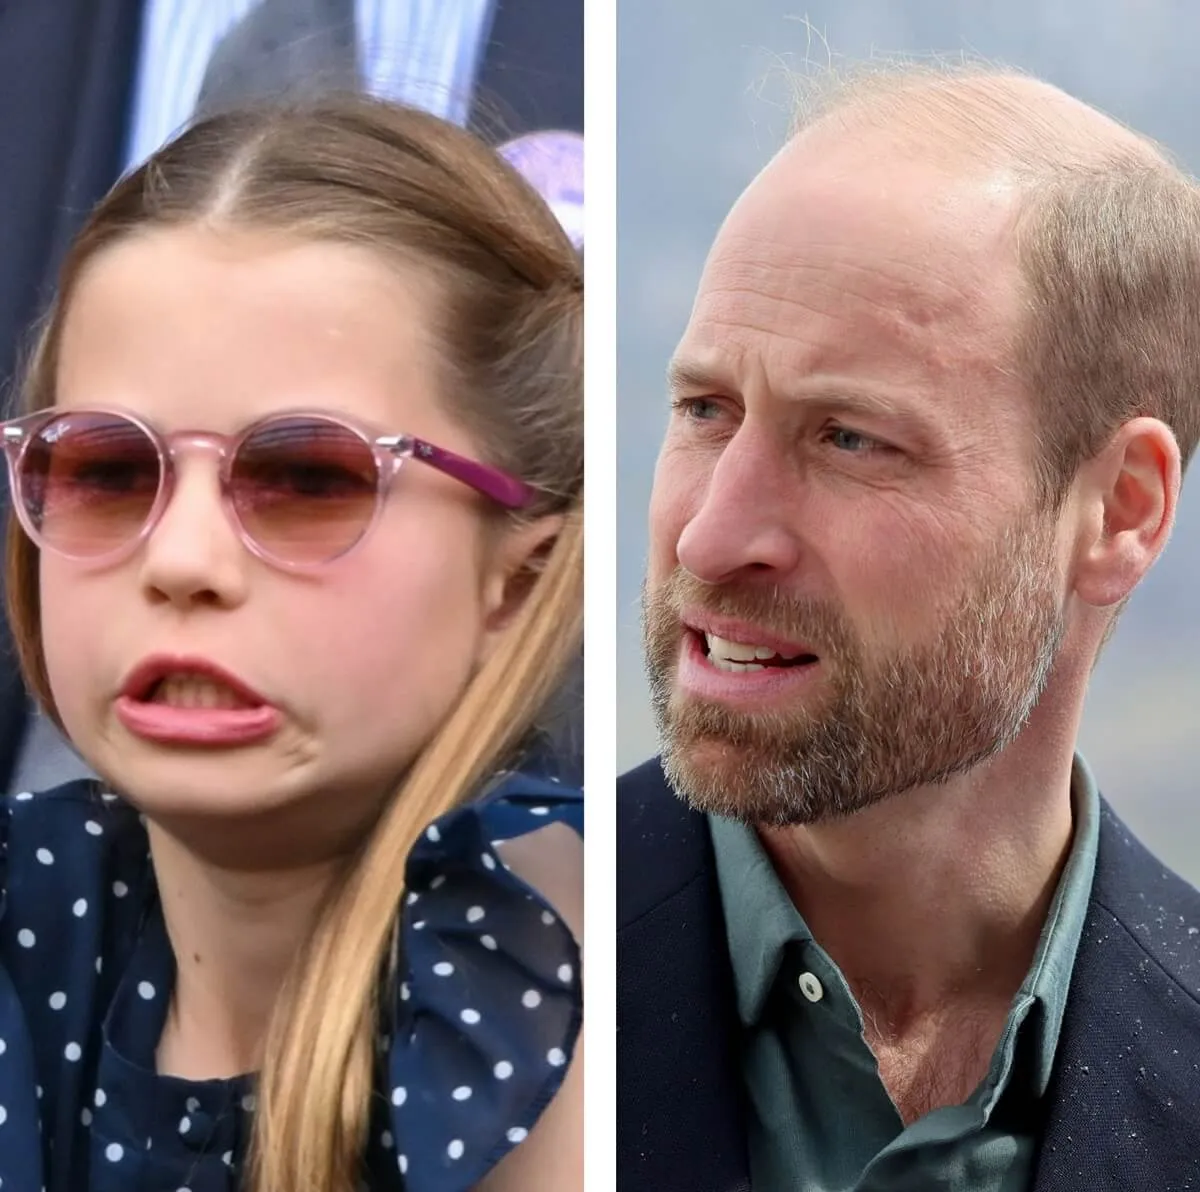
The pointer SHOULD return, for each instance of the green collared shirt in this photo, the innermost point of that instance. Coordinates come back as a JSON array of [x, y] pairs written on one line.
[[820, 1118]]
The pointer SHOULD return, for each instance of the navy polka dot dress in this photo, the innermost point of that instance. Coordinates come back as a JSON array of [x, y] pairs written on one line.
[[474, 1047]]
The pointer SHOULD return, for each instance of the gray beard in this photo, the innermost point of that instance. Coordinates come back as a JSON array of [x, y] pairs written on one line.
[[914, 716]]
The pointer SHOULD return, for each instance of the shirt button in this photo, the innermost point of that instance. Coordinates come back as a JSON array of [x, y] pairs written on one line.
[[811, 987]]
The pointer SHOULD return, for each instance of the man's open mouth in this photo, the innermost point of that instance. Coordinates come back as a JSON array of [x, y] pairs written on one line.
[[726, 655]]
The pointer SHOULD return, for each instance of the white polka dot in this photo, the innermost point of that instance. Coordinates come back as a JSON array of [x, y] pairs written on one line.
[[565, 973], [3, 1047], [72, 1051], [3, 1115], [99, 1098], [45, 856], [531, 999], [24, 796], [419, 925], [489, 862], [539, 811], [517, 1134], [120, 889], [556, 1056], [455, 1149], [227, 1158], [80, 908], [26, 938], [185, 1124], [402, 1163], [86, 1117], [399, 1096], [249, 1102], [113, 1152], [503, 1070], [387, 1139], [405, 992], [470, 1017], [39, 1092], [462, 1093], [99, 963], [93, 828], [548, 919], [183, 1190], [443, 968], [433, 834], [438, 882], [474, 914], [145, 990], [58, 1000], [192, 1104], [488, 942]]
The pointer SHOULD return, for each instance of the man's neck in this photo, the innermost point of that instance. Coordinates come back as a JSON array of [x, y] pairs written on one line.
[[234, 935], [932, 904]]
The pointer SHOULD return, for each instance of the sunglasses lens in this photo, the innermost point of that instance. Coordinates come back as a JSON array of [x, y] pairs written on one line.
[[88, 483], [304, 488]]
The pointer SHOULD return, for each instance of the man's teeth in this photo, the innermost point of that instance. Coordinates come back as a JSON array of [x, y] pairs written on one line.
[[729, 655], [194, 691]]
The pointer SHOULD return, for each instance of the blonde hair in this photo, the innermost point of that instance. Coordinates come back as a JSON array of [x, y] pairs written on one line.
[[1107, 238], [355, 170]]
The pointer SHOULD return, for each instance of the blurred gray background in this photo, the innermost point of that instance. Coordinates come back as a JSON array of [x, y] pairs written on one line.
[[703, 102]]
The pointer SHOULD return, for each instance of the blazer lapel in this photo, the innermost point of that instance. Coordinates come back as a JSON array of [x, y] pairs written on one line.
[[680, 1112], [1124, 1105]]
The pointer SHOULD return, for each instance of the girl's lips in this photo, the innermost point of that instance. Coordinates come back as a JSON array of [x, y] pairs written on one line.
[[174, 724], [148, 673], [207, 727]]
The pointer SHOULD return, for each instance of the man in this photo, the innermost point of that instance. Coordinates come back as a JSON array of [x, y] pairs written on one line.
[[929, 420], [89, 88]]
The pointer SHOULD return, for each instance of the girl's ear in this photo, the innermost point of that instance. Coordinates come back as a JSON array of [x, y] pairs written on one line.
[[514, 565]]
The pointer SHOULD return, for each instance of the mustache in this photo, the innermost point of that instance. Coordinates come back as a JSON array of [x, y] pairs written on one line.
[[794, 618]]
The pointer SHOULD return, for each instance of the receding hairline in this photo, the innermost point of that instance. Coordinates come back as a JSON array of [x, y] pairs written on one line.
[[969, 113]]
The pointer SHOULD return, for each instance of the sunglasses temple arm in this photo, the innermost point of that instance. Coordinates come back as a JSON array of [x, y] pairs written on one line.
[[504, 489]]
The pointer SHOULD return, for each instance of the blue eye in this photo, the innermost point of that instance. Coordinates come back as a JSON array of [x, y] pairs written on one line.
[[696, 409], [850, 441]]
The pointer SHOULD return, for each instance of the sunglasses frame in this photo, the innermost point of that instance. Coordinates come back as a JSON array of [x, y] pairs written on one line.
[[388, 451]]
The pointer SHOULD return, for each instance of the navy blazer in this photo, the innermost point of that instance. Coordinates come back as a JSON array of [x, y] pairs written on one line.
[[67, 71], [1122, 1113]]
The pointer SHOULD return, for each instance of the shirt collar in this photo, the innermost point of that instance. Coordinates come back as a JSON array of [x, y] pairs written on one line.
[[761, 921]]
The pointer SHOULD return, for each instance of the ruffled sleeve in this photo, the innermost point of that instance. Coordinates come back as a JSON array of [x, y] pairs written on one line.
[[487, 1018]]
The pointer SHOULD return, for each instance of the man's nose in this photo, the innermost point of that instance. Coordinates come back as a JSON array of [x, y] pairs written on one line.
[[747, 514]]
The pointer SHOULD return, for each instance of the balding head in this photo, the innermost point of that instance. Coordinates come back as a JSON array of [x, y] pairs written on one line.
[[971, 115]]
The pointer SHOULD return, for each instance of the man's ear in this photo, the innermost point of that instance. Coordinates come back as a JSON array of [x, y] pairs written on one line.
[[1127, 498]]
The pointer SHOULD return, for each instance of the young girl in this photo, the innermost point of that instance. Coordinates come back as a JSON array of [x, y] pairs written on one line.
[[299, 563]]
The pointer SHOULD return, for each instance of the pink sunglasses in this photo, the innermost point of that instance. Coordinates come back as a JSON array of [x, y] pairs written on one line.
[[301, 487]]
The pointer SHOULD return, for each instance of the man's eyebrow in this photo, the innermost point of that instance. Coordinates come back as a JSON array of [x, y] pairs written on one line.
[[688, 376]]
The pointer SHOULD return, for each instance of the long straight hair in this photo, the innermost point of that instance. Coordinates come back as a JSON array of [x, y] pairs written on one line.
[[354, 170]]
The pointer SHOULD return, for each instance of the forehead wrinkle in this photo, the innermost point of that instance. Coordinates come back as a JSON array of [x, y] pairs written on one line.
[[777, 268]]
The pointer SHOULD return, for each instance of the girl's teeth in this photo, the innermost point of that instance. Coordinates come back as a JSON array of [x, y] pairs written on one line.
[[192, 691]]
